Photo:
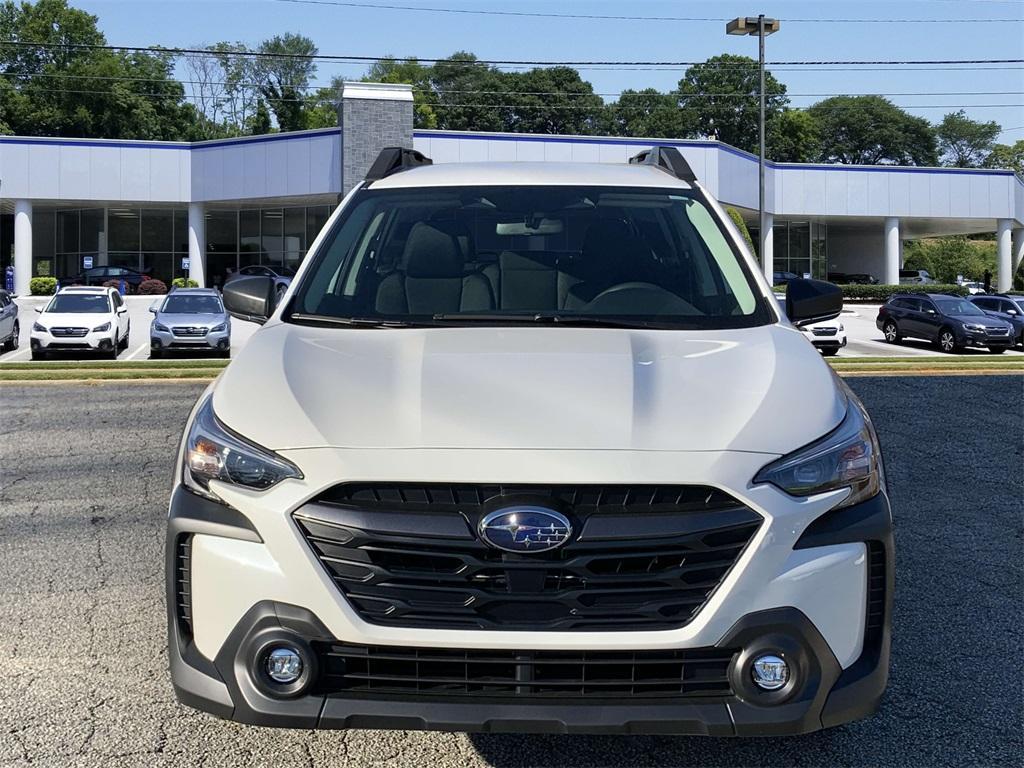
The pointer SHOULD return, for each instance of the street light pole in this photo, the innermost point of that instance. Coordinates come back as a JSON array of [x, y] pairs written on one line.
[[762, 27]]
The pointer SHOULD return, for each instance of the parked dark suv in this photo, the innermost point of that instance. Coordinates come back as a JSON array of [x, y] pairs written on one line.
[[1009, 309], [951, 322]]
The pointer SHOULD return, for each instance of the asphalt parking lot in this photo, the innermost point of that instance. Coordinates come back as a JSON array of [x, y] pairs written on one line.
[[84, 477], [865, 340]]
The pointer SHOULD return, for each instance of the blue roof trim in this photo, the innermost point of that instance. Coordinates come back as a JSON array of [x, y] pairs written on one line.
[[264, 138], [709, 144], [179, 146]]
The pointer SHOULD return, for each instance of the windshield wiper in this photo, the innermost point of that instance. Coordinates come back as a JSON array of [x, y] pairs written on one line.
[[542, 318], [351, 322]]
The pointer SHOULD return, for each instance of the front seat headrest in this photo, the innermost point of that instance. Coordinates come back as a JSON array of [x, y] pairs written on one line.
[[430, 252]]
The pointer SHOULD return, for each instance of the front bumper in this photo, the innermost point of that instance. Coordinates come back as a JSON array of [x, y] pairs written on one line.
[[830, 691], [159, 340], [982, 339], [93, 340]]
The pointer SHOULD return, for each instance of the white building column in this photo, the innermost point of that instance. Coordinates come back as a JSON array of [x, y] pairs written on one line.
[[1016, 249], [22, 246], [197, 243], [767, 249], [892, 251], [1004, 280]]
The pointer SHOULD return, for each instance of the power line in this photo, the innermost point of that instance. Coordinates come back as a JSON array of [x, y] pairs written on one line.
[[633, 94], [604, 17], [354, 58]]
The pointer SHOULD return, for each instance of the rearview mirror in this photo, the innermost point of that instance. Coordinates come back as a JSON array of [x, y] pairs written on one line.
[[812, 301], [250, 298]]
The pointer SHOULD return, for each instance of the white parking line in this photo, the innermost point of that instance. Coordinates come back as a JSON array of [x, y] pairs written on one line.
[[141, 348]]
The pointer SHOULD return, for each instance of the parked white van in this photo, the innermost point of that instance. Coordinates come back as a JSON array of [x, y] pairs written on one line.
[[530, 447]]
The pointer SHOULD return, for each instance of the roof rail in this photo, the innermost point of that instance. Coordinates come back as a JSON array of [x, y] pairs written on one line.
[[394, 159], [668, 159]]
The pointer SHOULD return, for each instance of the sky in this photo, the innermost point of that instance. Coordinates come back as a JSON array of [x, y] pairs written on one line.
[[987, 93]]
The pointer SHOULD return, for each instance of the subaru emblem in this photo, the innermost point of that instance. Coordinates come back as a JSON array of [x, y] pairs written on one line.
[[525, 529]]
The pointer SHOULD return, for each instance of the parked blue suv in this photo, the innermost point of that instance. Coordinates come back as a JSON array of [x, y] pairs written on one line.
[[1009, 309], [950, 322]]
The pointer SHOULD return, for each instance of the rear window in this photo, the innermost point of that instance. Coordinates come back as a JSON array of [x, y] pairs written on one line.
[[520, 253]]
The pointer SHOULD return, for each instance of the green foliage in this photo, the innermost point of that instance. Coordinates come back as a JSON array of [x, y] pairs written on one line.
[[284, 75], [882, 293], [720, 99], [184, 282], [872, 130], [470, 96], [411, 72], [575, 110], [42, 286], [1007, 156], [70, 90], [946, 258], [963, 142], [741, 225], [647, 113], [794, 136], [259, 123]]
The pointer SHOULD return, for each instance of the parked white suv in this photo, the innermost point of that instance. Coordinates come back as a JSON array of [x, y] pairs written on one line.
[[83, 319], [530, 447]]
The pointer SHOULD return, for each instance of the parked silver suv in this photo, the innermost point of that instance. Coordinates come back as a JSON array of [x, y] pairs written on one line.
[[190, 318]]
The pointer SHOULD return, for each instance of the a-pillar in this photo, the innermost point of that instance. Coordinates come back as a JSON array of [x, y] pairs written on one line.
[[197, 243], [1004, 280], [892, 251], [22, 246], [767, 250]]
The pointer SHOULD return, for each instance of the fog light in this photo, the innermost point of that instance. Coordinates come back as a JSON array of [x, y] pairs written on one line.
[[284, 665], [770, 672]]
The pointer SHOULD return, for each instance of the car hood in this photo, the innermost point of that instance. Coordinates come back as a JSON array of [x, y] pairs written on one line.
[[759, 389], [985, 320], [75, 319], [201, 321]]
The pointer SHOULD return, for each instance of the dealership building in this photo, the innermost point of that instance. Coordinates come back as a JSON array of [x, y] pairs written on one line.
[[203, 209]]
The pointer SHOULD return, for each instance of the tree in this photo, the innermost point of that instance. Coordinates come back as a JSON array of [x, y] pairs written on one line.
[[208, 90], [721, 97], [284, 70], [259, 121], [411, 72], [872, 130], [946, 258], [555, 100], [794, 136], [1007, 156], [241, 93], [648, 113], [470, 96], [965, 143], [70, 90]]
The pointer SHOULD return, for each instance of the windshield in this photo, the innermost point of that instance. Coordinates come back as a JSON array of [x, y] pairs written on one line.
[[957, 307], [79, 303], [522, 254], [183, 304]]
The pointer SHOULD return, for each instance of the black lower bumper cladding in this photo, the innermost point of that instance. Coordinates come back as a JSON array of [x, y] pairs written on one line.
[[822, 695]]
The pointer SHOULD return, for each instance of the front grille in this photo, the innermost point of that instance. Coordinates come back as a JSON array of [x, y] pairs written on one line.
[[189, 331], [824, 331], [349, 669], [183, 582], [998, 332], [69, 332], [641, 557]]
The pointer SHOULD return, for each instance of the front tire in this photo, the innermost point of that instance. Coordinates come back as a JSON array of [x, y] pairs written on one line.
[[830, 352], [891, 332], [947, 341], [997, 350], [38, 354]]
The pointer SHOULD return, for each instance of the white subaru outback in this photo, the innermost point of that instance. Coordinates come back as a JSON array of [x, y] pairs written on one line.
[[530, 447]]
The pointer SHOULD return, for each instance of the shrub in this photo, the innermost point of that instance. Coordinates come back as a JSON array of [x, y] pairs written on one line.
[[152, 287], [112, 284], [184, 282], [741, 225], [882, 293], [42, 286], [946, 258]]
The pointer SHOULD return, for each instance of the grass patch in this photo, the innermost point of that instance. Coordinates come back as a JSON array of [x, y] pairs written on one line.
[[100, 365], [108, 375]]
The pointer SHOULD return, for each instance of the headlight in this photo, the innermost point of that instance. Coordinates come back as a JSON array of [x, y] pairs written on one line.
[[847, 457], [161, 327], [39, 328], [974, 327], [219, 328], [214, 453], [99, 328]]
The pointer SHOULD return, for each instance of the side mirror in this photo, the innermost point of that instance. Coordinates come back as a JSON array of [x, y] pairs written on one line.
[[250, 298], [40, 310], [1012, 312], [930, 311], [153, 309], [122, 309], [812, 301]]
